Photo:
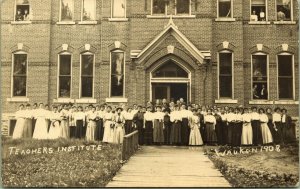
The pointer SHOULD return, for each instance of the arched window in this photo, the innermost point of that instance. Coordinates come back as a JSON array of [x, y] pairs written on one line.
[[260, 74], [225, 72], [64, 75], [19, 74], [170, 69], [285, 70], [117, 71], [87, 60]]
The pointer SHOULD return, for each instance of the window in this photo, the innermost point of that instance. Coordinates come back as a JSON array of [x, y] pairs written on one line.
[[19, 80], [64, 76], [23, 12], [87, 73], [182, 6], [258, 10], [159, 7], [284, 10], [117, 74], [170, 69], [88, 10], [66, 10], [225, 75], [260, 76], [285, 77], [118, 8], [224, 10]]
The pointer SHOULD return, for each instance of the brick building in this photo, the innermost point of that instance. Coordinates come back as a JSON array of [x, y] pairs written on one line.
[[224, 52]]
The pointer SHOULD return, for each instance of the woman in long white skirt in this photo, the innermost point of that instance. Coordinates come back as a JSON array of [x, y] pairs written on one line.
[[266, 133], [55, 130], [20, 124], [64, 124], [41, 125], [91, 126], [119, 131], [108, 135], [247, 134], [195, 136]]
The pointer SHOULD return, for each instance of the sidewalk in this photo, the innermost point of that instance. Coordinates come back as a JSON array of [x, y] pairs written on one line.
[[167, 166]]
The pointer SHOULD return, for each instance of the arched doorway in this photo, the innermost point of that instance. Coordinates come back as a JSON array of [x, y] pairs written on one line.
[[170, 80]]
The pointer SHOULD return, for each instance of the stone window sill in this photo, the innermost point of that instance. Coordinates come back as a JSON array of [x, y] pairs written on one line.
[[63, 100], [118, 19], [18, 99], [226, 101], [87, 22], [21, 22], [259, 22], [286, 102], [260, 102], [284, 22], [86, 101], [116, 99], [225, 19], [173, 16], [65, 23]]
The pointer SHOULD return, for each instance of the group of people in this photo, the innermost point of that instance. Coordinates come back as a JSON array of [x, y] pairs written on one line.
[[22, 16], [174, 123]]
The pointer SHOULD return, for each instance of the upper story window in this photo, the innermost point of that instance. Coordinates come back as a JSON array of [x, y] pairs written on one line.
[[117, 66], [87, 75], [64, 75], [258, 10], [118, 9], [225, 69], [88, 10], [19, 74], [284, 10], [183, 7], [159, 7], [66, 10], [224, 9], [260, 76], [23, 12], [285, 76]]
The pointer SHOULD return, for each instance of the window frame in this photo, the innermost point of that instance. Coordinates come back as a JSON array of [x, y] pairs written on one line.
[[63, 21], [232, 74], [292, 13], [266, 13], [12, 75], [80, 76], [23, 21], [162, 15], [293, 74], [112, 8], [231, 10], [124, 74], [81, 13], [268, 76], [176, 14], [58, 75]]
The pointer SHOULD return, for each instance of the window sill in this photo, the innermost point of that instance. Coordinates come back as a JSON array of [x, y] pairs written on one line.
[[226, 101], [116, 99], [17, 99], [21, 22], [225, 19], [173, 16], [259, 22], [286, 102], [65, 23], [86, 101], [260, 102], [63, 100], [118, 19], [284, 22], [87, 22]]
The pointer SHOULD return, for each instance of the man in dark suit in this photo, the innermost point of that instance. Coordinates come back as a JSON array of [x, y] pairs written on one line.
[[287, 130]]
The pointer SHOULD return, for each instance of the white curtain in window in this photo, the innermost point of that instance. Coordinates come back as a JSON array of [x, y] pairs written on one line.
[[118, 9]]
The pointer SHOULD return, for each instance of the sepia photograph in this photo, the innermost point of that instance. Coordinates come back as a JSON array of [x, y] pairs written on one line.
[[149, 93]]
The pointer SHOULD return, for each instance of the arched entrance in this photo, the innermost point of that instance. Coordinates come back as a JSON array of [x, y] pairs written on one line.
[[170, 80]]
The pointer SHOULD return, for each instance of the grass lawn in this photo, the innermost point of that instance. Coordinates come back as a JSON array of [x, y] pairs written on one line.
[[87, 164], [265, 169]]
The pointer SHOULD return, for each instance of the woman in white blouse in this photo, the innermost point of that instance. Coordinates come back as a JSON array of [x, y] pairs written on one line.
[[266, 133], [210, 123], [247, 134], [41, 125], [20, 124]]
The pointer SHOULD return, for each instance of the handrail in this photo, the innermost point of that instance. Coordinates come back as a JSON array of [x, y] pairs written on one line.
[[130, 145]]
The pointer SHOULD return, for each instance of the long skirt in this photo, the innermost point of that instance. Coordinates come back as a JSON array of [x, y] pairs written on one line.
[[287, 133], [195, 136], [210, 133], [65, 130], [257, 136], [33, 126], [28, 128], [219, 132], [279, 133], [167, 131], [223, 133], [158, 131], [203, 132], [55, 130], [230, 128], [72, 131], [119, 133], [19, 128], [41, 129], [175, 137], [266, 134], [247, 134], [273, 131], [237, 134], [185, 131], [139, 124], [90, 130], [99, 130], [128, 126], [148, 133], [79, 129], [108, 135]]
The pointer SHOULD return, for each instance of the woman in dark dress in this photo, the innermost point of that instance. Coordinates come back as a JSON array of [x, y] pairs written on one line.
[[271, 125], [148, 126], [175, 118], [138, 120], [218, 126], [167, 125]]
